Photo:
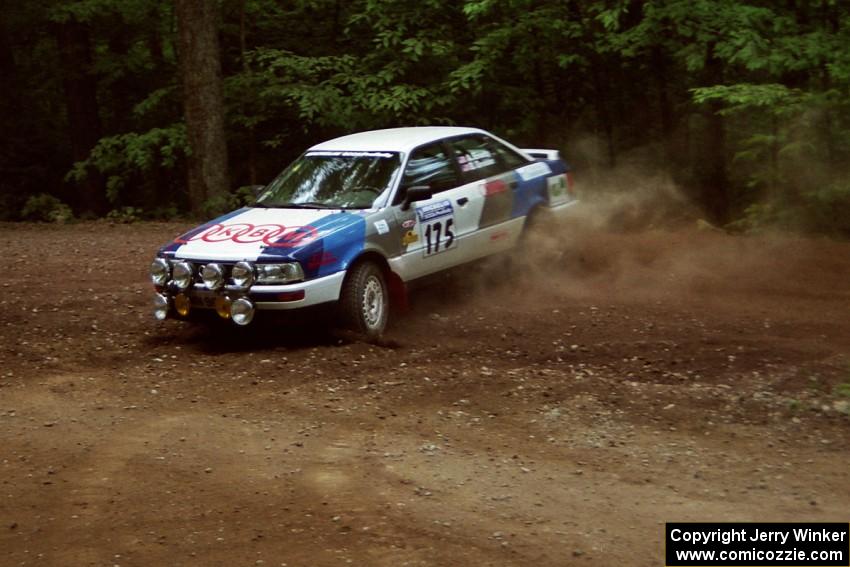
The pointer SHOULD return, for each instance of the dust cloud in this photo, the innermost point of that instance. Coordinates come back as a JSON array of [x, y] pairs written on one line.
[[634, 236]]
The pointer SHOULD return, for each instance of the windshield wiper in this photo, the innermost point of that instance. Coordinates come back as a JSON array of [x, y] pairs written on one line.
[[307, 205]]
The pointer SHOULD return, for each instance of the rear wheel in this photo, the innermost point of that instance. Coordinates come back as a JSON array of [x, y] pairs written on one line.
[[364, 301]]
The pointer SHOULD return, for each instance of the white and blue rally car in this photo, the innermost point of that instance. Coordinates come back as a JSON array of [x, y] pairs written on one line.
[[355, 219]]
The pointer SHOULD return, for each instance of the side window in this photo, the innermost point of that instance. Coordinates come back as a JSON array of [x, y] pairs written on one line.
[[428, 165], [480, 157]]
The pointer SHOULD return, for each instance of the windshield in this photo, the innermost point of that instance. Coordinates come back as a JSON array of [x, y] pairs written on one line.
[[339, 180]]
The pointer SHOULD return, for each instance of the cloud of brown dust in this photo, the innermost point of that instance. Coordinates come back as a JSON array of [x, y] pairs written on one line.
[[635, 236]]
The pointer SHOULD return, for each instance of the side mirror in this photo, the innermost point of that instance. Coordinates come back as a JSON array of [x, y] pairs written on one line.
[[416, 193]]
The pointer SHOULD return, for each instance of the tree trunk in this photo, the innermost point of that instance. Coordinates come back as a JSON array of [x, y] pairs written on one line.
[[243, 55], [715, 181], [84, 124], [665, 106], [200, 71]]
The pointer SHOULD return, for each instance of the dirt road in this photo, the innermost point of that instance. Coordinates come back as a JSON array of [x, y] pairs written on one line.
[[556, 417]]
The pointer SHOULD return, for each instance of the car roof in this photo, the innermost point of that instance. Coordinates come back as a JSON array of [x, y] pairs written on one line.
[[393, 139]]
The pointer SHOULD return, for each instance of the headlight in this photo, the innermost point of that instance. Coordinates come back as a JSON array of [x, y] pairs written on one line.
[[242, 311], [279, 273], [181, 275], [160, 306], [160, 270], [213, 276], [242, 275]]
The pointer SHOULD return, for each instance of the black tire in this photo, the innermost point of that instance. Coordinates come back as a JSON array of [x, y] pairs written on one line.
[[365, 301]]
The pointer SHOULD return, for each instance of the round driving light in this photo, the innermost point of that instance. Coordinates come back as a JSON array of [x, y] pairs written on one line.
[[222, 306], [160, 306], [182, 304], [242, 275], [242, 311], [181, 275], [213, 276], [160, 270]]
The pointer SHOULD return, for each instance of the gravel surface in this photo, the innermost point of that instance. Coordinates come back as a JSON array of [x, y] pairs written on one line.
[[553, 413]]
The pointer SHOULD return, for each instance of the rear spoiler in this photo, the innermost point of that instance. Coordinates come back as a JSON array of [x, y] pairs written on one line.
[[543, 154]]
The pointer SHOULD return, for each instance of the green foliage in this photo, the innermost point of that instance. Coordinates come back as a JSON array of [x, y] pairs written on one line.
[[242, 197], [46, 208], [819, 210], [125, 215], [218, 205], [647, 74], [122, 156], [167, 212], [774, 98]]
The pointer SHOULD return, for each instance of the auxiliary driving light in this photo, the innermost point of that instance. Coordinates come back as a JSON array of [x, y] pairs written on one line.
[[182, 304], [222, 306], [160, 270], [242, 311], [242, 275], [213, 276], [160, 306], [181, 275]]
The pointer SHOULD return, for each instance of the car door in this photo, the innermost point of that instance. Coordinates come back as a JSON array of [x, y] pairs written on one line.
[[435, 231], [490, 169]]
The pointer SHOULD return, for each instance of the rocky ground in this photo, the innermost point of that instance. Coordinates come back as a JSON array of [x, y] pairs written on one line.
[[557, 416]]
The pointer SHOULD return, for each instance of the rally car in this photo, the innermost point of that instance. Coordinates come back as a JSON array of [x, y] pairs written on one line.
[[356, 219]]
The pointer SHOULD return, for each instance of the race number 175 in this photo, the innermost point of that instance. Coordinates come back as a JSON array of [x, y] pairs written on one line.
[[438, 235]]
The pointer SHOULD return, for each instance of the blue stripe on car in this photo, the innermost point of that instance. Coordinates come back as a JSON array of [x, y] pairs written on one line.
[[340, 238]]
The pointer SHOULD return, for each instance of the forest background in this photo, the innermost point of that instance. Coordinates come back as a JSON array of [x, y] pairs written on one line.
[[159, 109]]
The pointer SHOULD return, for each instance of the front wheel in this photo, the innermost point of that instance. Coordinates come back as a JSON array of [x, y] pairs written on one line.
[[364, 301]]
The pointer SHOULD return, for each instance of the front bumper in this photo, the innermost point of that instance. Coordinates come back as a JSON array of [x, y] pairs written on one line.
[[275, 297]]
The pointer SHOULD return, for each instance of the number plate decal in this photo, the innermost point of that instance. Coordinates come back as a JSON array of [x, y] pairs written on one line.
[[437, 227], [203, 299]]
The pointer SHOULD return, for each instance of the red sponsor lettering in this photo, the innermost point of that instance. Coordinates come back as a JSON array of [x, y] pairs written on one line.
[[273, 235], [195, 234], [295, 237], [261, 232], [222, 232]]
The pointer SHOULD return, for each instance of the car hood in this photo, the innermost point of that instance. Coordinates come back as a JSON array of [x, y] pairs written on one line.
[[258, 233]]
